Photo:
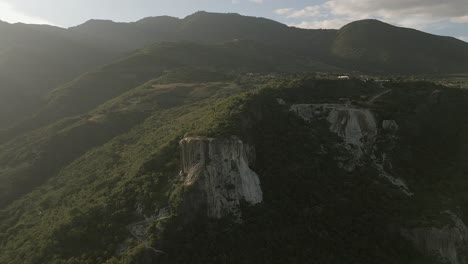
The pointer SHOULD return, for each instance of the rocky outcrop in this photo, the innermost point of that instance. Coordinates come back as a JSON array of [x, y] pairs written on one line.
[[386, 142], [380, 165], [281, 101], [357, 127], [138, 229], [448, 243], [217, 170], [359, 130]]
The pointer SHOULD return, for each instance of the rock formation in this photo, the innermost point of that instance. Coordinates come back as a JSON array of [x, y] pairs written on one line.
[[357, 127], [359, 131], [217, 170]]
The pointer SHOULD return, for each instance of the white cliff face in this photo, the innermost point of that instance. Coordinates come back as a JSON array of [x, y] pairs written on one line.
[[219, 169], [358, 129], [446, 243]]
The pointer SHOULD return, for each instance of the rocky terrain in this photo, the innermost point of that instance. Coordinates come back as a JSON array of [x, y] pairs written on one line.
[[217, 172]]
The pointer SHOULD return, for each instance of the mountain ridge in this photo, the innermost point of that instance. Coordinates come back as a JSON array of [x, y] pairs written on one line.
[[50, 56], [220, 138]]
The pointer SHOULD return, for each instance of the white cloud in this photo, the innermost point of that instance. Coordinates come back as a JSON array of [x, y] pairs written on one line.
[[463, 19], [411, 13], [8, 13], [464, 38], [284, 11], [309, 11], [235, 2], [327, 23]]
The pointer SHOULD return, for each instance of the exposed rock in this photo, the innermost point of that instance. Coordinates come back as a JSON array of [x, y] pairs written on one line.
[[218, 171], [139, 229], [447, 243], [390, 125], [357, 127], [281, 101], [380, 166]]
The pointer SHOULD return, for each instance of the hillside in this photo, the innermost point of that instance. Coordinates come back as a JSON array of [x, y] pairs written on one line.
[[368, 45], [35, 60], [205, 27], [220, 138], [109, 188], [96, 87], [167, 62], [377, 46]]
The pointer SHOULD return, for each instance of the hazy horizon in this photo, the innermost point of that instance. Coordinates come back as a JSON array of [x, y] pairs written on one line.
[[449, 18]]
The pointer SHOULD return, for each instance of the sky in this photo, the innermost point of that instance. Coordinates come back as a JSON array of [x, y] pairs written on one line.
[[442, 17]]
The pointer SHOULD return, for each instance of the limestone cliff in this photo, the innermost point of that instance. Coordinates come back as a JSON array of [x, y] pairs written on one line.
[[217, 170], [357, 127], [359, 130]]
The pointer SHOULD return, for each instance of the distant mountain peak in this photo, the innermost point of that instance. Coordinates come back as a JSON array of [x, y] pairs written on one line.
[[157, 19], [367, 23], [98, 21]]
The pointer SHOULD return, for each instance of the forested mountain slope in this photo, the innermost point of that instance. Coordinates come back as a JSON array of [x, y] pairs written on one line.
[[374, 45], [112, 191], [217, 142], [35, 60]]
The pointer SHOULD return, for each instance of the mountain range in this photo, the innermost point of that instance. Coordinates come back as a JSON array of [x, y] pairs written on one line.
[[50, 56], [220, 138]]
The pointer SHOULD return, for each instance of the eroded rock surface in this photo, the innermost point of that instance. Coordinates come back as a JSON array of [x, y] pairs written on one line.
[[357, 127], [359, 130], [218, 171], [447, 243]]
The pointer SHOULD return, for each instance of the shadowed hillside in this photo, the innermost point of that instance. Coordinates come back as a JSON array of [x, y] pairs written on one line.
[[34, 59], [372, 45]]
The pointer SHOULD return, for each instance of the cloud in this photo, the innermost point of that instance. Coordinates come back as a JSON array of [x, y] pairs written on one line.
[[9, 13], [463, 19], [327, 23], [284, 11], [411, 13], [309, 11], [464, 38], [235, 2]]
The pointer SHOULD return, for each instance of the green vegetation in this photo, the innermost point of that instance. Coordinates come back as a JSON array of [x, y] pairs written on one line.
[[372, 45], [124, 155], [35, 60], [81, 213], [100, 153], [187, 60]]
